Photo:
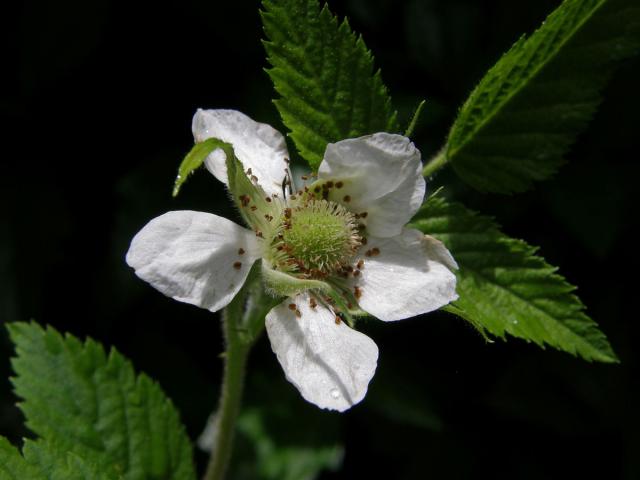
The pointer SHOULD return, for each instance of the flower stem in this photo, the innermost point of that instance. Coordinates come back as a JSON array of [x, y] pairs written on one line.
[[242, 325], [436, 163], [231, 392]]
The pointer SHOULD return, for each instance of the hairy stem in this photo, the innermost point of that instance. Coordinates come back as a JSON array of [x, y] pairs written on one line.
[[436, 163], [242, 324], [231, 392]]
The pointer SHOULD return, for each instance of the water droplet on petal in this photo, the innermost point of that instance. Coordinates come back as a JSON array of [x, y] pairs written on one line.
[[335, 393]]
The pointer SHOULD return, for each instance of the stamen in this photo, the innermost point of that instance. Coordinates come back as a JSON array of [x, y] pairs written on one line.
[[374, 252], [241, 251], [237, 265]]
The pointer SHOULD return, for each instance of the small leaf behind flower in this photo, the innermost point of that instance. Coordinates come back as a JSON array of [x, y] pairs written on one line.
[[528, 109], [505, 288], [93, 406], [325, 77]]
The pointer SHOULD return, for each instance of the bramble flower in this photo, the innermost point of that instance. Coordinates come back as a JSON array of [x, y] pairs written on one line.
[[337, 248]]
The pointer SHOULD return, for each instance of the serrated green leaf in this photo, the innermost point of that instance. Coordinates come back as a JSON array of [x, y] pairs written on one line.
[[13, 466], [325, 77], [528, 109], [44, 461], [93, 405], [55, 464], [506, 288]]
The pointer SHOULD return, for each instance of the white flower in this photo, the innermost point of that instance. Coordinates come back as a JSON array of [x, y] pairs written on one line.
[[336, 247]]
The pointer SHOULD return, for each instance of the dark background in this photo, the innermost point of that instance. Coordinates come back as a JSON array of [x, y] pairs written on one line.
[[96, 108]]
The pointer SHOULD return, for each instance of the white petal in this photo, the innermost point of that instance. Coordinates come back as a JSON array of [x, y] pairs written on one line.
[[330, 363], [382, 173], [409, 276], [258, 146], [190, 256], [438, 252]]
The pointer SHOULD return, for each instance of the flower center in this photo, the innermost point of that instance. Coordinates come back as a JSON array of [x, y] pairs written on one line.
[[317, 238]]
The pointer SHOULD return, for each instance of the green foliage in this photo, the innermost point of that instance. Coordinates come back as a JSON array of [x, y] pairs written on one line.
[[43, 461], [56, 464], [505, 288], [193, 160], [92, 405], [528, 109], [324, 75], [13, 466]]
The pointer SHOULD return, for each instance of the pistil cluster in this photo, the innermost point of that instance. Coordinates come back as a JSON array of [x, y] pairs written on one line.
[[316, 238], [311, 236]]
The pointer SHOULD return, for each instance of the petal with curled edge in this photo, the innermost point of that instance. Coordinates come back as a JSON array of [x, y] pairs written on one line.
[[380, 174], [194, 257], [258, 146], [330, 363], [405, 276]]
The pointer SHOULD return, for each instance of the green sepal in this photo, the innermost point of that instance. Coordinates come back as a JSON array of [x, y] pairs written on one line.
[[248, 196], [342, 306], [415, 118], [194, 160], [284, 285], [250, 322]]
